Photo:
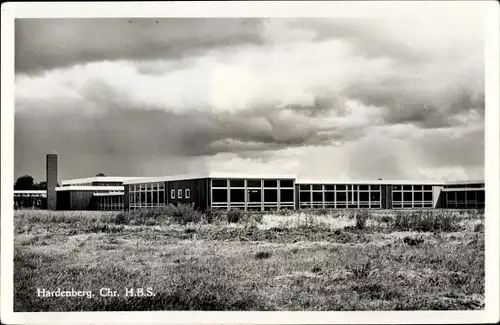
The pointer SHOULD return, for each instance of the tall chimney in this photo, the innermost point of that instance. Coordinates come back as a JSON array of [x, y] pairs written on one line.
[[51, 178]]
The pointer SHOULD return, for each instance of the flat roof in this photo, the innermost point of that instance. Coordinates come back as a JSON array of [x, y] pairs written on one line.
[[370, 182], [207, 175], [89, 188], [97, 179], [108, 193], [30, 191], [298, 180]]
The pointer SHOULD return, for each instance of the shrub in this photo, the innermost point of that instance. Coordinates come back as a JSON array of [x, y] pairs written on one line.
[[361, 218], [234, 215], [262, 255], [413, 241], [185, 213], [479, 228], [121, 219], [214, 216]]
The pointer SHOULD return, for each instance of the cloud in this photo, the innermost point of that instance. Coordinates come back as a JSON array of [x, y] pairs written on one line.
[[327, 92], [50, 43]]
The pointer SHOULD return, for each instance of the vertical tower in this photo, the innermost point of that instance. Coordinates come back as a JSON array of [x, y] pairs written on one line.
[[51, 178]]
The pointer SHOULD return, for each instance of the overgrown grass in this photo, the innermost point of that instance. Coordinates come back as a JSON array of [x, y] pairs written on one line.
[[330, 260], [220, 274], [426, 220]]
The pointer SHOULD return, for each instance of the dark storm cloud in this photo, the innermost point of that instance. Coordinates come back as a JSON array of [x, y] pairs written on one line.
[[49, 43], [195, 88]]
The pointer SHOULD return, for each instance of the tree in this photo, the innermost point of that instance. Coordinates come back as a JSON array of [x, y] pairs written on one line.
[[100, 175], [24, 183]]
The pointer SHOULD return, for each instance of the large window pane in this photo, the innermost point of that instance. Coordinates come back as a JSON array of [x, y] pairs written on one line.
[[219, 195], [270, 195], [375, 196], [286, 195], [237, 195], [427, 196], [305, 196], [480, 196], [317, 197], [407, 196], [396, 196], [161, 198], [330, 196], [254, 195], [364, 196], [418, 196], [341, 196]]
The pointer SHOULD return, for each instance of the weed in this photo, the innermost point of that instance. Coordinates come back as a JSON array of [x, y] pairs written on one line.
[[234, 215], [361, 218], [362, 271]]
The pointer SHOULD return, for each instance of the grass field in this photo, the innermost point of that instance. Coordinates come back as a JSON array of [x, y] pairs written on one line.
[[343, 260]]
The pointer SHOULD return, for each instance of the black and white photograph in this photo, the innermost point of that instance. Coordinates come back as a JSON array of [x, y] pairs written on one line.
[[227, 161]]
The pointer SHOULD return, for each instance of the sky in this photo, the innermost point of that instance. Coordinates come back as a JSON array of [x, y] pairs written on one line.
[[324, 98]]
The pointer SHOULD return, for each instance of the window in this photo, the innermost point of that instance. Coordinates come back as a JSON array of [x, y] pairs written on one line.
[[172, 194], [317, 187], [270, 183], [305, 196], [219, 195], [330, 196], [237, 195], [254, 196], [427, 196], [304, 187], [396, 196], [187, 193], [286, 183], [254, 183], [270, 195], [317, 197], [417, 196], [286, 195], [237, 182], [363, 187], [364, 196], [329, 187], [219, 183], [179, 194]]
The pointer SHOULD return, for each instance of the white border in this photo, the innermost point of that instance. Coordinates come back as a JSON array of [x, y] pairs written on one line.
[[489, 9]]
